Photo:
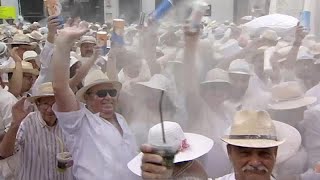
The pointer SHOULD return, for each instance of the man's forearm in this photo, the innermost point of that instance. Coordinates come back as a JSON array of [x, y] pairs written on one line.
[[15, 83], [8, 142]]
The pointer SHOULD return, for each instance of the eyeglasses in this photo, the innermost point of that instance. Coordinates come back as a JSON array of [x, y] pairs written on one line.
[[103, 93]]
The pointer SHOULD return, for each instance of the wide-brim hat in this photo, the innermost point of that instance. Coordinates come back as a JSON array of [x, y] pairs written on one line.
[[157, 81], [315, 49], [35, 35], [240, 66], [216, 76], [96, 77], [253, 129], [285, 132], [197, 146], [44, 90], [20, 39], [88, 40], [289, 95], [26, 68], [3, 48]]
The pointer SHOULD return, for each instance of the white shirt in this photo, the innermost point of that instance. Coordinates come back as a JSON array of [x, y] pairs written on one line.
[[232, 177], [314, 91], [7, 100], [98, 149], [45, 69], [38, 146]]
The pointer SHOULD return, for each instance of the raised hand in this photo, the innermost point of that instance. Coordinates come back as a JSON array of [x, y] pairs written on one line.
[[19, 112], [300, 33], [54, 24], [73, 30], [14, 54]]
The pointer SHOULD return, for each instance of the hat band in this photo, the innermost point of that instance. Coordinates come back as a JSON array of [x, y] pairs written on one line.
[[289, 99], [253, 137]]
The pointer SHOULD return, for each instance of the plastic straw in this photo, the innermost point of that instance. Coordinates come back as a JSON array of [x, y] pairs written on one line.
[[161, 118]]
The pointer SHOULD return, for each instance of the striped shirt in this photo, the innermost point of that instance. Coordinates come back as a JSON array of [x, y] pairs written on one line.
[[38, 145]]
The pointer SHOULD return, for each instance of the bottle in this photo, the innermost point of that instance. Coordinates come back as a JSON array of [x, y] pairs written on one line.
[[161, 11], [198, 11]]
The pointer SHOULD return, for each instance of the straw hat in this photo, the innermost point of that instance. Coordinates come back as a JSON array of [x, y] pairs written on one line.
[[191, 146], [291, 145], [20, 39], [157, 81], [270, 35], [289, 95], [96, 77], [44, 90], [253, 129], [35, 35], [304, 54], [87, 39], [3, 37], [26, 68], [216, 76], [315, 49], [240, 66], [3, 48], [30, 55]]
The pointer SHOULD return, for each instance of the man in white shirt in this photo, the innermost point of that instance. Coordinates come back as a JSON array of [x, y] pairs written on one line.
[[98, 138]]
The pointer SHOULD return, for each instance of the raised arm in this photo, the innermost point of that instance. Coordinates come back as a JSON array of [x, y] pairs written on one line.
[[8, 143], [15, 83], [84, 69], [65, 99], [292, 56]]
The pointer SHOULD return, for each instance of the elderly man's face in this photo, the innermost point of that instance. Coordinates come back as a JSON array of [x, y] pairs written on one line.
[[27, 82], [86, 49], [102, 99], [44, 105], [251, 163], [240, 83]]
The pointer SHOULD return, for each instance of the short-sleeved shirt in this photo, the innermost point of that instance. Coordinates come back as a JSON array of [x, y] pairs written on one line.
[[7, 100], [38, 145], [232, 177], [100, 152]]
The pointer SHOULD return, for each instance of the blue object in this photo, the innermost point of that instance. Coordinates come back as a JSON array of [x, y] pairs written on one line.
[[116, 39], [305, 20], [162, 10]]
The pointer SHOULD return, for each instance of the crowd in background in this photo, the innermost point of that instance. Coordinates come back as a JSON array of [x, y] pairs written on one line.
[[61, 91]]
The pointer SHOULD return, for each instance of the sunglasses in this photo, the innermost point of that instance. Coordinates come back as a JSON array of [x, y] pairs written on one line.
[[103, 93]]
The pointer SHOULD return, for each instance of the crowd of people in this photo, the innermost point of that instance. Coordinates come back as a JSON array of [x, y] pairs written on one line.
[[238, 105]]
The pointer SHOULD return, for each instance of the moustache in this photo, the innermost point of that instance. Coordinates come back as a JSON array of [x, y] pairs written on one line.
[[255, 168]]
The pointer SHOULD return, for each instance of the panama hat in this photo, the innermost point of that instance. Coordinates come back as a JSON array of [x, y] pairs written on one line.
[[239, 66], [29, 55], [253, 129], [270, 35], [96, 77], [20, 39], [285, 132], [26, 68], [44, 90], [216, 76], [190, 146], [35, 35], [315, 49], [157, 81], [3, 48], [289, 95], [87, 39]]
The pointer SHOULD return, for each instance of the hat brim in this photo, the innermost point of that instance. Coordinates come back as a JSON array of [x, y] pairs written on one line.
[[86, 42], [31, 71], [18, 43], [33, 99], [239, 72], [290, 138], [199, 146], [215, 82], [293, 104], [80, 94], [151, 85], [34, 38]]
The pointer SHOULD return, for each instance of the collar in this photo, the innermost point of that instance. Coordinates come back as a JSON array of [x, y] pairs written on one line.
[[43, 123]]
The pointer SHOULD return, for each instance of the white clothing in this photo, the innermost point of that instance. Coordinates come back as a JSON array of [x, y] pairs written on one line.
[[100, 152], [232, 177], [38, 145], [45, 74], [7, 100], [314, 91]]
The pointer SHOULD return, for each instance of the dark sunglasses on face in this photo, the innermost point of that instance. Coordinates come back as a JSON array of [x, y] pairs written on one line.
[[105, 92]]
